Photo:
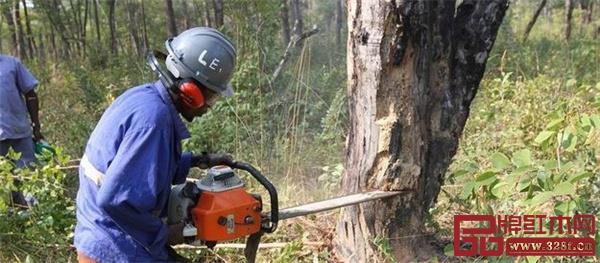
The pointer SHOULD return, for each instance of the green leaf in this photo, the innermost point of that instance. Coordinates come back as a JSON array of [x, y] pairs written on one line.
[[564, 188], [511, 179], [595, 120], [576, 177], [564, 208], [532, 259], [486, 178], [468, 189], [550, 164], [500, 161], [522, 158], [543, 137], [541, 198], [585, 121], [499, 189], [523, 185], [554, 124], [449, 250]]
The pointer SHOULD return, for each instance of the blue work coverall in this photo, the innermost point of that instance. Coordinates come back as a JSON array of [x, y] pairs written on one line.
[[15, 128], [131, 159]]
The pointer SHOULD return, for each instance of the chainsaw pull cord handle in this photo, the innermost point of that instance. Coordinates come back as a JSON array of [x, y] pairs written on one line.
[[266, 184]]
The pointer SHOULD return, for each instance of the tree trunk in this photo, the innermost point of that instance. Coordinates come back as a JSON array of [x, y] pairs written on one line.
[[533, 19], [30, 37], [21, 50], [144, 29], [187, 18], [339, 18], [207, 18], [218, 4], [171, 26], [112, 23], [7, 12], [53, 43], [297, 15], [42, 52], [414, 68], [285, 22], [568, 17], [76, 24], [83, 30], [97, 24], [298, 20], [132, 16], [587, 6]]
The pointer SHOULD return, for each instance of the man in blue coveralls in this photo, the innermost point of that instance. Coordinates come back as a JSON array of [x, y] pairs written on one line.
[[17, 99], [134, 154]]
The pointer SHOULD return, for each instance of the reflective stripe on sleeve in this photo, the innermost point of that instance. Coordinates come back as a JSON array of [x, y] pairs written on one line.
[[90, 171]]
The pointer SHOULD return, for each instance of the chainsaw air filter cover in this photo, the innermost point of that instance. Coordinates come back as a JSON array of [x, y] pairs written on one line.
[[219, 179], [225, 210]]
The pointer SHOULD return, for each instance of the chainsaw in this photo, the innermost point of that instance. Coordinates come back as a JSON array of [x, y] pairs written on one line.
[[218, 208]]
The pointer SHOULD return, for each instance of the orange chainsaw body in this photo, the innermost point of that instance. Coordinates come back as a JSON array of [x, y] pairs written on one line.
[[226, 215]]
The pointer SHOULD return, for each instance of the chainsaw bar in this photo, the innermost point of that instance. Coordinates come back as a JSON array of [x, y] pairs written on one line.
[[329, 204]]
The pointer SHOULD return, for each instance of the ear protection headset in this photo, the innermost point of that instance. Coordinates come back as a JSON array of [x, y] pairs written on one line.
[[187, 89]]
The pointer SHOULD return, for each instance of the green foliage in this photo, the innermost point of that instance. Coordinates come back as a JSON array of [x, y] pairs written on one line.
[[531, 144], [385, 249], [42, 232]]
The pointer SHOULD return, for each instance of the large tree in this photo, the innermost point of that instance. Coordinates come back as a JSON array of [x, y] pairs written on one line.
[[414, 68]]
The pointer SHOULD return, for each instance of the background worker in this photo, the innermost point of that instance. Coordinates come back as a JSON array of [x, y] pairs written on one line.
[[18, 100], [134, 154]]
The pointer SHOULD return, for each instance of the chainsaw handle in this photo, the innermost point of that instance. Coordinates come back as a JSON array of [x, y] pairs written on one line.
[[266, 184]]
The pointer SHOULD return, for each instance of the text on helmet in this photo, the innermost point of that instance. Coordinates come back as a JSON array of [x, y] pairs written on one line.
[[214, 64]]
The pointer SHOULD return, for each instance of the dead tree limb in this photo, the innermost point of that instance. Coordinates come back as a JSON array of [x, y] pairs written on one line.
[[533, 19], [288, 50]]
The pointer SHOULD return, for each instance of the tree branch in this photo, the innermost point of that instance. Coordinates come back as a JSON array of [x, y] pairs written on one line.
[[288, 50]]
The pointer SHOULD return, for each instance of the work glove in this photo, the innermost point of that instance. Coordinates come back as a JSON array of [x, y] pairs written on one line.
[[207, 160]]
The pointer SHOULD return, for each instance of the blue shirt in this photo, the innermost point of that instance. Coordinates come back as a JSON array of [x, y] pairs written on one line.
[[15, 80], [136, 146]]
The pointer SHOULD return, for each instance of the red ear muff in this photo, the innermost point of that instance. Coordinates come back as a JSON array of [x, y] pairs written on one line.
[[191, 94]]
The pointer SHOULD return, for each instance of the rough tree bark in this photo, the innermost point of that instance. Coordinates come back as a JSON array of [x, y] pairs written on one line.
[[568, 18], [414, 68], [285, 22], [533, 19]]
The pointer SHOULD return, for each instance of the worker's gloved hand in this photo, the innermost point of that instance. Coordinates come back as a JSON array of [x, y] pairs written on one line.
[[207, 160], [176, 234]]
